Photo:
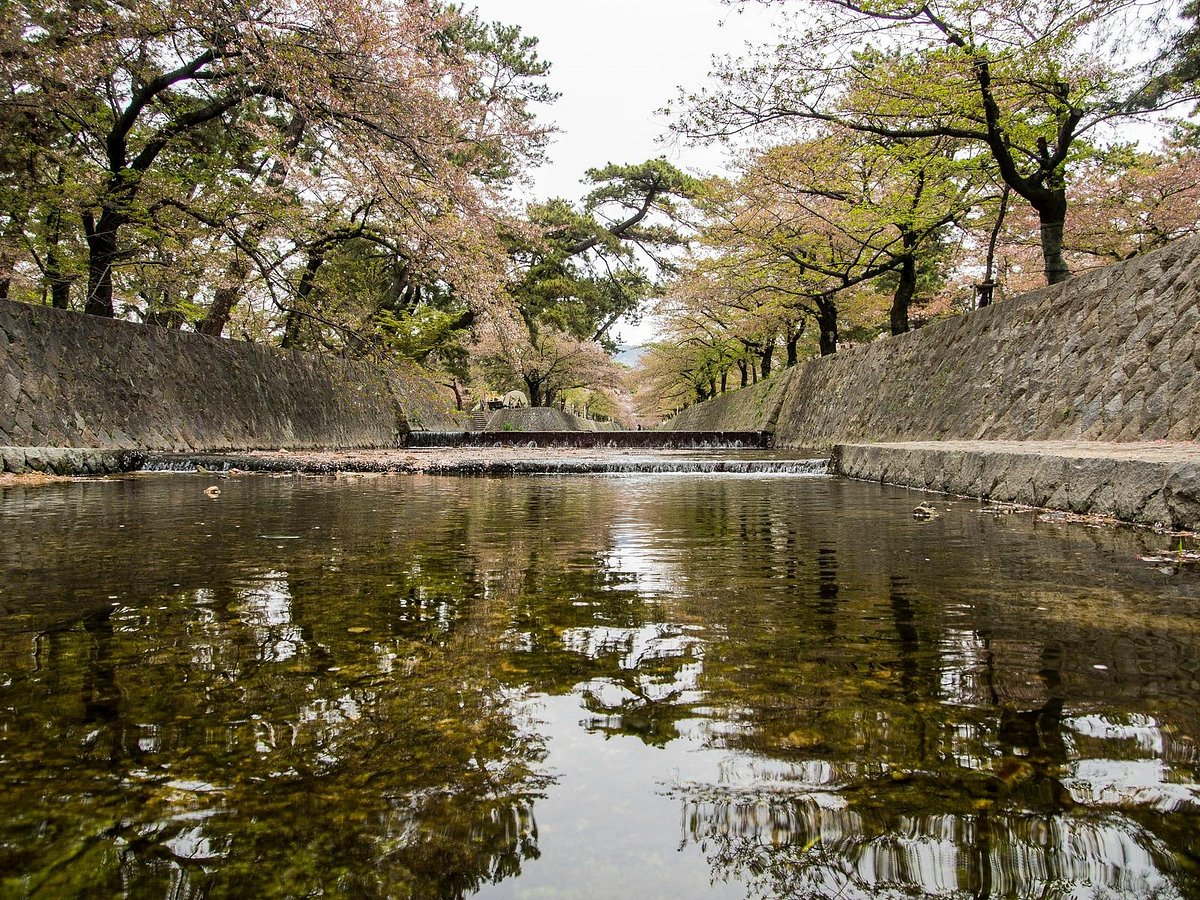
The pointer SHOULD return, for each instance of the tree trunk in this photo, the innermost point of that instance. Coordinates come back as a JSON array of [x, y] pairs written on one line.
[[534, 387], [987, 289], [906, 287], [291, 328], [102, 256], [1052, 217], [60, 285], [744, 371], [827, 322], [724, 380], [767, 354], [225, 297], [793, 346]]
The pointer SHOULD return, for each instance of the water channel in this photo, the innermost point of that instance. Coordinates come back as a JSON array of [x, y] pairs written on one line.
[[636, 685]]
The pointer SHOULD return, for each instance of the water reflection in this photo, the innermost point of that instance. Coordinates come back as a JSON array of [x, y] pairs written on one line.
[[437, 687]]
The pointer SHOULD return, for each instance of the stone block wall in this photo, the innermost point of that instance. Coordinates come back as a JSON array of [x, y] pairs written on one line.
[[69, 380], [1111, 355]]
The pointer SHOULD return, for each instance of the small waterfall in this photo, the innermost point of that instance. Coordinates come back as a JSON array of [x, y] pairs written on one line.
[[542, 464], [222, 463], [634, 466]]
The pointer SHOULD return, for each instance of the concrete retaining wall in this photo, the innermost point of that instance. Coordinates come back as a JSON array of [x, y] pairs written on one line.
[[541, 418], [1150, 484], [1112, 355], [74, 381]]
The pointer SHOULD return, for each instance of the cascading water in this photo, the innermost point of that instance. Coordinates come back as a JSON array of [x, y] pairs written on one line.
[[602, 463], [637, 465]]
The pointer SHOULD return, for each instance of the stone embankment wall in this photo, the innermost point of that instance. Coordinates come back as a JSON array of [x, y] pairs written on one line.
[[1111, 355], [74, 381], [541, 418]]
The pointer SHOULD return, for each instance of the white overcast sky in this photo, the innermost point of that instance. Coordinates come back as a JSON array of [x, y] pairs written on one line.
[[615, 63]]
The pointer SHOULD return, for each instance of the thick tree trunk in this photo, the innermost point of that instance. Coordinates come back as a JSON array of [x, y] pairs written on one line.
[[1052, 221], [724, 380], [60, 285], [793, 346], [291, 330], [534, 387], [767, 355], [906, 288], [226, 297], [102, 257], [828, 325], [291, 327], [744, 371]]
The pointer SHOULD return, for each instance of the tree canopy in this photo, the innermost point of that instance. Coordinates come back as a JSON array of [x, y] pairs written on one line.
[[261, 134], [342, 176]]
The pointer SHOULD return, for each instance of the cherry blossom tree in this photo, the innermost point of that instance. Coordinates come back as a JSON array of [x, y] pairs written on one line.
[[246, 120]]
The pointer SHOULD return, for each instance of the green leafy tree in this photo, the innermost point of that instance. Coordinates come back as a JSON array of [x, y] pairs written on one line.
[[1024, 82], [588, 267], [580, 270], [1175, 72]]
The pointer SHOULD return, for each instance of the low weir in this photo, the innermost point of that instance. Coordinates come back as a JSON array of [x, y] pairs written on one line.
[[610, 440], [546, 464]]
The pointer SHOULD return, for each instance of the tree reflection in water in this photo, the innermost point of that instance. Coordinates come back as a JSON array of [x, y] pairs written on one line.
[[912, 758], [266, 733], [320, 686]]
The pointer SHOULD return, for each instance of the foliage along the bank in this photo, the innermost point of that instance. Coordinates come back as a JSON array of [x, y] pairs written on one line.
[[335, 175], [907, 160], [320, 171]]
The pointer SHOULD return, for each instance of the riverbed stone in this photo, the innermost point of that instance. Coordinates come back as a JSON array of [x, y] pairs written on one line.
[[13, 459]]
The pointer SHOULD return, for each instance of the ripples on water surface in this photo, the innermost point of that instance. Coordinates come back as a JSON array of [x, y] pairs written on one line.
[[637, 686]]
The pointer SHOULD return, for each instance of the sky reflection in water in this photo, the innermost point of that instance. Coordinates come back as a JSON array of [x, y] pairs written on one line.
[[587, 686]]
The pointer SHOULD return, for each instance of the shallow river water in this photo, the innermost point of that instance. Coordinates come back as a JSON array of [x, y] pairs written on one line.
[[606, 686]]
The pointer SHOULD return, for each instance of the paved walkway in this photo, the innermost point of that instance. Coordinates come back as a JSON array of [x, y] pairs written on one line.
[[1152, 483]]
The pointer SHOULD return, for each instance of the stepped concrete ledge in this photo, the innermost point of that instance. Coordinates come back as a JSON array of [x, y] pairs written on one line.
[[1149, 483]]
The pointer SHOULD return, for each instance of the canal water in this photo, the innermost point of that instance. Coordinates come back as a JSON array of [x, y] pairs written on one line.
[[654, 685]]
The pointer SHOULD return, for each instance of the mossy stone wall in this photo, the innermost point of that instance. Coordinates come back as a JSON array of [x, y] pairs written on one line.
[[70, 380], [1111, 355]]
